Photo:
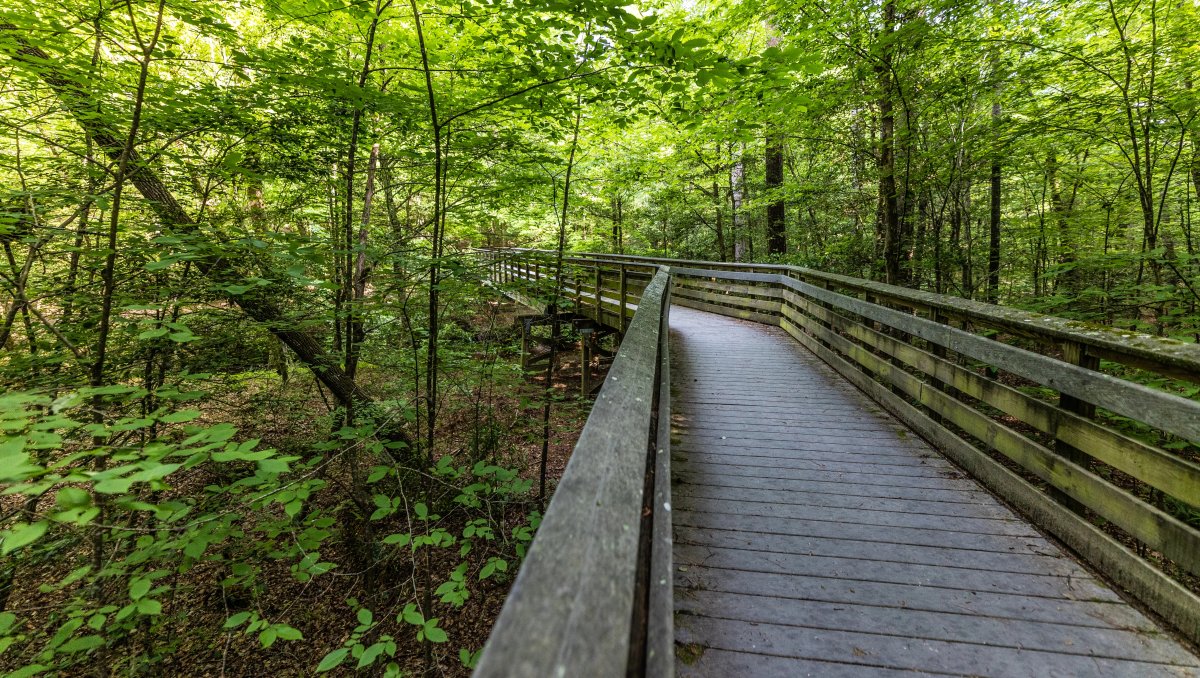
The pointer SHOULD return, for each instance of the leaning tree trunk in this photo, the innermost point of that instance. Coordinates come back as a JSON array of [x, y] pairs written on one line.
[[257, 304]]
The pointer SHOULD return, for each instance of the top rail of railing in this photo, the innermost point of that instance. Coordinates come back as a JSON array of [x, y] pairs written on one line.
[[1167, 356], [579, 603]]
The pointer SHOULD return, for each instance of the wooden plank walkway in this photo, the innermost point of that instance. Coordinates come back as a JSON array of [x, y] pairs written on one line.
[[816, 536]]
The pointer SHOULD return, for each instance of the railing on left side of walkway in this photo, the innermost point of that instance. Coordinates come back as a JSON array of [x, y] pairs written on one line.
[[593, 596]]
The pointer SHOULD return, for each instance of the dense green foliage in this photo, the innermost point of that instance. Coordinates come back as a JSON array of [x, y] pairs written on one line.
[[243, 340], [893, 119]]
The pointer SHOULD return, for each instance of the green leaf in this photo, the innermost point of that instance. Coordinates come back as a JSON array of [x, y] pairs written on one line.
[[82, 644], [412, 615], [237, 620], [138, 588], [368, 657], [73, 497], [273, 465], [333, 660], [179, 417], [267, 638], [435, 634], [365, 617], [149, 606], [23, 535], [401, 539], [288, 633]]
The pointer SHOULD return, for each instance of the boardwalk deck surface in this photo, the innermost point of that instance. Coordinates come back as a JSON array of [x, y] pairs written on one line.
[[816, 536]]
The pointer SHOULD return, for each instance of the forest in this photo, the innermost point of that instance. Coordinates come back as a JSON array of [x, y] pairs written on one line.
[[261, 414]]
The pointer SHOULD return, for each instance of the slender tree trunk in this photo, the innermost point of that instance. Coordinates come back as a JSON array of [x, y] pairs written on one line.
[[889, 208], [1066, 279], [720, 219], [776, 216], [352, 325], [555, 327], [736, 192], [359, 288], [993, 277]]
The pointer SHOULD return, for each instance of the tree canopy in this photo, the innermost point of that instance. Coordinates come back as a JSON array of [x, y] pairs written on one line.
[[244, 339]]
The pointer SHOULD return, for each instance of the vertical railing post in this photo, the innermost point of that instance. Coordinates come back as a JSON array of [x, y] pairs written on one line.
[[1076, 354], [598, 280], [526, 329], [578, 281], [585, 361], [623, 294]]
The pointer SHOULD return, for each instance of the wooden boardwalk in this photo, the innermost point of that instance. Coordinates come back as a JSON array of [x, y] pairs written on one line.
[[816, 536]]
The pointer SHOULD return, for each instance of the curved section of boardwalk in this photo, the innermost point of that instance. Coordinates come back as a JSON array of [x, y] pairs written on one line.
[[816, 536]]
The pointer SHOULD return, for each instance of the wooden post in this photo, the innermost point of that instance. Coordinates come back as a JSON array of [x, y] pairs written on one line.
[[585, 361], [598, 280], [525, 330], [1076, 354], [624, 292]]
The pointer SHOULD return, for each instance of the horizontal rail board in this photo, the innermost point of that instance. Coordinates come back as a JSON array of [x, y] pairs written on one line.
[[1162, 410], [1177, 477], [768, 305], [1168, 356], [707, 284], [1149, 524]]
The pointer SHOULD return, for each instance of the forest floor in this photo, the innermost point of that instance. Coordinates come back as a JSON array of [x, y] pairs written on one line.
[[291, 416]]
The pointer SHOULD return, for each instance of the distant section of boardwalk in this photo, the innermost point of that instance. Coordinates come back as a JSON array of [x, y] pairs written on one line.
[[816, 536]]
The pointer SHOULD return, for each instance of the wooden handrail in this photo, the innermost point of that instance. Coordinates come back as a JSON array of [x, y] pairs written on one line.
[[597, 575], [957, 372], [1167, 356]]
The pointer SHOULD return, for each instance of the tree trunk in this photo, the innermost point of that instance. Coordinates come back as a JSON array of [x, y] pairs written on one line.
[[257, 303], [720, 220], [357, 332], [1066, 243], [993, 279], [736, 191], [776, 219], [889, 208]]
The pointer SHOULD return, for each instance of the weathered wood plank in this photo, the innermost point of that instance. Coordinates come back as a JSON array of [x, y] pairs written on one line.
[[709, 284], [1085, 641], [1017, 563], [853, 488], [1109, 613], [897, 651], [825, 524], [932, 508]]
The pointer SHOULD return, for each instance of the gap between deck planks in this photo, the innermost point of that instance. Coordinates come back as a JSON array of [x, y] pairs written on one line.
[[817, 536]]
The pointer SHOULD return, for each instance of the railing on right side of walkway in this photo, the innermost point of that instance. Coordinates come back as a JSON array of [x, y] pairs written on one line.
[[1088, 450]]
